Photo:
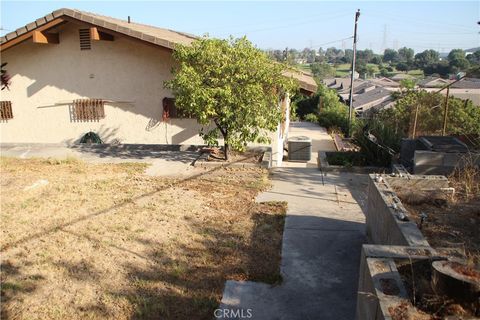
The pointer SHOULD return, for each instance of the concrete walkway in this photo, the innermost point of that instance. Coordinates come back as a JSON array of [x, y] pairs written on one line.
[[324, 231], [321, 140]]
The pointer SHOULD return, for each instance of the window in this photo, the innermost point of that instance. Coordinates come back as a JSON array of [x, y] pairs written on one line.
[[88, 110], [171, 111], [85, 43], [6, 110]]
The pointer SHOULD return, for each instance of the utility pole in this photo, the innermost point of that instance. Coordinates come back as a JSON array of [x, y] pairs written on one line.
[[352, 78], [445, 113]]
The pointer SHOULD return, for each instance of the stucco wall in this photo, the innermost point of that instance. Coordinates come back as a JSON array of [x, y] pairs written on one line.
[[120, 70]]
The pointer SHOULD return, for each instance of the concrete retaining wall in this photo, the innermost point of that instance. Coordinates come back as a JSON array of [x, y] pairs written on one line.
[[383, 217]]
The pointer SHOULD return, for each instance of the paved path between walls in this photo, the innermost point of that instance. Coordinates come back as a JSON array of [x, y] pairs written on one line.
[[324, 231], [321, 140]]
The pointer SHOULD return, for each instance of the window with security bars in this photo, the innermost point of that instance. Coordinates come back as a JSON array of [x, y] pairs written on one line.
[[88, 109], [6, 110]]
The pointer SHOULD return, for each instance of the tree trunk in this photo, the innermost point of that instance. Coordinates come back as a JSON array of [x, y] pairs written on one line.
[[225, 150]]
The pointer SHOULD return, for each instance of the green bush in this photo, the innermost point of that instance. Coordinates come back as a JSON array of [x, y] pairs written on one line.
[[311, 117], [347, 159], [376, 154]]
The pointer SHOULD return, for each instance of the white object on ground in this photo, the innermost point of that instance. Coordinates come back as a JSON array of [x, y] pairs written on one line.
[[36, 184]]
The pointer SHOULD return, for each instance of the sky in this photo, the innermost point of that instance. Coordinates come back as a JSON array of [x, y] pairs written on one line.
[[439, 25]]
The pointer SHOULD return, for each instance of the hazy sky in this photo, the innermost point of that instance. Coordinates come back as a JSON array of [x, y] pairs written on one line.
[[440, 25]]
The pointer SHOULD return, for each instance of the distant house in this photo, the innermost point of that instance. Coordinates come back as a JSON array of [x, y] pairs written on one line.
[[467, 88], [75, 72]]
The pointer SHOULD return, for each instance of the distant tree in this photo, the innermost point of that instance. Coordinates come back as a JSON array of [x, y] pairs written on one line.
[[332, 53], [406, 55], [322, 70], [231, 84], [426, 58], [474, 58], [365, 55], [348, 56], [361, 68], [457, 61], [377, 59], [442, 68], [371, 70], [402, 66], [474, 72], [390, 55]]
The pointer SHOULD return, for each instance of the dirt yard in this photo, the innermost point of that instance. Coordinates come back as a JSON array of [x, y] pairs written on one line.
[[96, 241]]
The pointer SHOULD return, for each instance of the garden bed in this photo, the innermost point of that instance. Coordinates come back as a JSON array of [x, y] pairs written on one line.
[[349, 161]]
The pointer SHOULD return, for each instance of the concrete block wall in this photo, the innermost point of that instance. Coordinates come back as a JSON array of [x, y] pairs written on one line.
[[380, 287], [382, 217]]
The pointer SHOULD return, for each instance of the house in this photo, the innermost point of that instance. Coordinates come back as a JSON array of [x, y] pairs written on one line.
[[467, 88], [74, 72], [373, 98]]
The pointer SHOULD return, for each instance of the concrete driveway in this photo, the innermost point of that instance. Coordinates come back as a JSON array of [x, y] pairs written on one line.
[[164, 160]]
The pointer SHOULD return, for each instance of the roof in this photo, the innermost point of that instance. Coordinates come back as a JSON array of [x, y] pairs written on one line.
[[159, 36], [433, 82], [305, 79], [370, 96], [467, 83], [154, 35]]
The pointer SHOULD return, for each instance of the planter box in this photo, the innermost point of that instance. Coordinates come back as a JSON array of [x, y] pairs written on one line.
[[380, 287], [326, 167]]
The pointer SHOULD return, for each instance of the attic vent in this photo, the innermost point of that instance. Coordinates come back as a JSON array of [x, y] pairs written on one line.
[[85, 39]]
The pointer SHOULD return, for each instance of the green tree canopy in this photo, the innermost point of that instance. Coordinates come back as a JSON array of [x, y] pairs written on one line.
[[457, 60], [232, 84], [390, 55], [426, 58]]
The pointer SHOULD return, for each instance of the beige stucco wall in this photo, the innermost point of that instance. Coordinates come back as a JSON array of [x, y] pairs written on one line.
[[120, 70]]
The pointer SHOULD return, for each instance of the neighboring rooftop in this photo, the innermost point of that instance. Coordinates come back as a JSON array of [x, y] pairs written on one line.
[[370, 96]]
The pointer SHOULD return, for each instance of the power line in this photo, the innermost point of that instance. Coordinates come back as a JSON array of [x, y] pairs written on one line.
[[285, 26]]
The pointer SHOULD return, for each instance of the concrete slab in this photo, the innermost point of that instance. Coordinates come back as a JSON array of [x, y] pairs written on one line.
[[324, 231]]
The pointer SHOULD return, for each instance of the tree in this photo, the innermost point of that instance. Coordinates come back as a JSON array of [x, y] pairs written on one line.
[[322, 70], [474, 58], [426, 58], [406, 55], [390, 55], [232, 84], [457, 61]]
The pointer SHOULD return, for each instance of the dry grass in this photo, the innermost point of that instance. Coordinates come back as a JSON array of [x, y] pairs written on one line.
[[106, 241]]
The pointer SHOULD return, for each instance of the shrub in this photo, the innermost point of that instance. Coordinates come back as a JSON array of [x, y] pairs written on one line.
[[311, 117], [376, 154]]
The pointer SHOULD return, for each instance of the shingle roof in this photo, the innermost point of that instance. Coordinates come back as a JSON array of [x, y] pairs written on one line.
[[155, 35], [159, 36], [467, 83], [370, 96]]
